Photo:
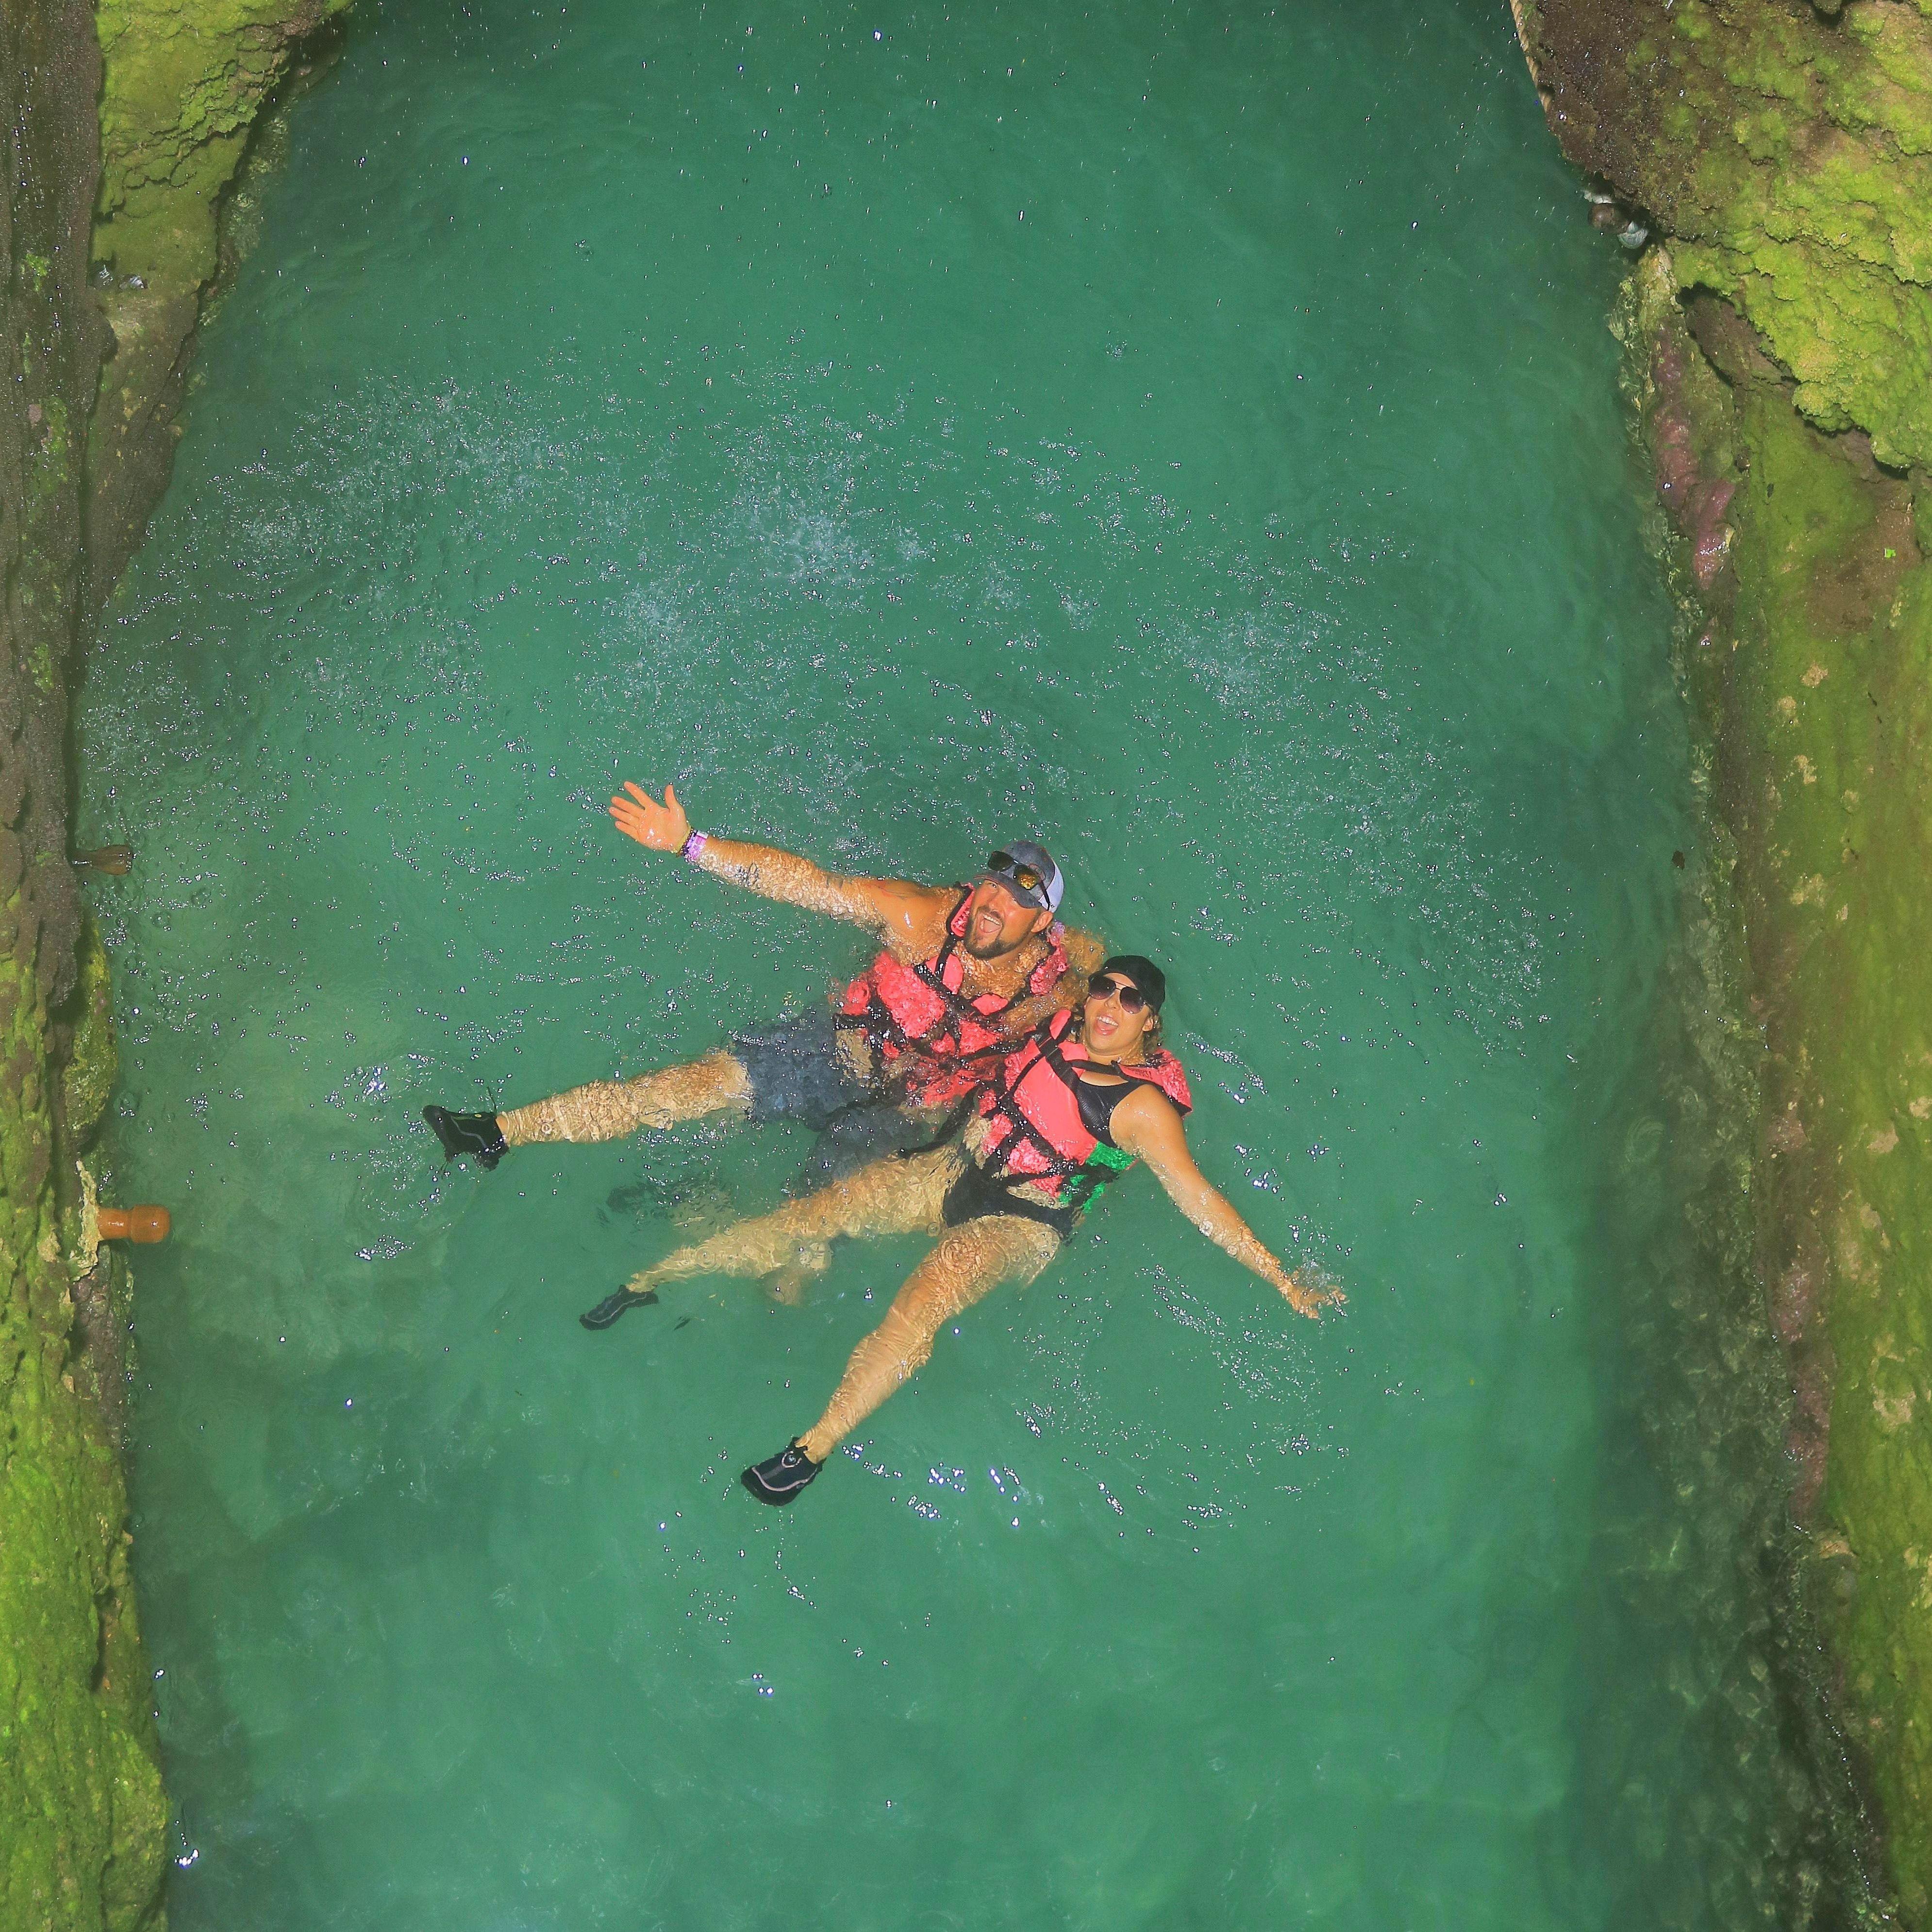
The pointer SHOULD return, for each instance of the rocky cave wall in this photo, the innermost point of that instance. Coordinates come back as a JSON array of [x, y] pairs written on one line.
[[126, 122], [1779, 334]]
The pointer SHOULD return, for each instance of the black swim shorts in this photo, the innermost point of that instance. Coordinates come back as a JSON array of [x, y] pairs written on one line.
[[797, 1072]]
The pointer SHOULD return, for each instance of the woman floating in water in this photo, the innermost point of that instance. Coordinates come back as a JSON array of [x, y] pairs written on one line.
[[1063, 1117]]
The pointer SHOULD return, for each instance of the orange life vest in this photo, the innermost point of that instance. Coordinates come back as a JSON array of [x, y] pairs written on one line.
[[902, 1011], [1050, 1126]]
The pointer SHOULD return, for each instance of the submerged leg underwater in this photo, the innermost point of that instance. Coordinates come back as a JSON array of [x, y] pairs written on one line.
[[1190, 440]]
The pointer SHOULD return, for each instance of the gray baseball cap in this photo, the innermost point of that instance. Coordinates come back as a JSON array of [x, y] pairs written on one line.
[[1027, 871]]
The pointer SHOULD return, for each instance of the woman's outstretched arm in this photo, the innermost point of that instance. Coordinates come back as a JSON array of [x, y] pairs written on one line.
[[1148, 1124]]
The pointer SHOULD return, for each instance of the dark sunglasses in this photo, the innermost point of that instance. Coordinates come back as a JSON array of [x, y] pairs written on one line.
[[1004, 865], [1131, 997]]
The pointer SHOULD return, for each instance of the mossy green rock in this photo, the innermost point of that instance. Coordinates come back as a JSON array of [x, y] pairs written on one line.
[[1812, 676], [1829, 708], [125, 161], [87, 1081], [1785, 150], [80, 1785], [1789, 157], [183, 82]]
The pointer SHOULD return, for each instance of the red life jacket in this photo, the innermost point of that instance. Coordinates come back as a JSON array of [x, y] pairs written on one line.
[[899, 1010], [1051, 1127]]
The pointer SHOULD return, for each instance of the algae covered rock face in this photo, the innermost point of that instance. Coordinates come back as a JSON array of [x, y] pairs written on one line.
[[1829, 702], [183, 82], [1811, 677], [1785, 336], [1789, 154], [87, 1080], [120, 160]]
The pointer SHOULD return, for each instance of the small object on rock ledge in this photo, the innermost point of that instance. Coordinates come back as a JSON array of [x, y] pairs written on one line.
[[116, 859], [144, 1223], [1634, 236]]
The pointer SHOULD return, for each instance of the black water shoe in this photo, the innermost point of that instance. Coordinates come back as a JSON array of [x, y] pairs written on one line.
[[780, 1478], [477, 1135], [608, 1310]]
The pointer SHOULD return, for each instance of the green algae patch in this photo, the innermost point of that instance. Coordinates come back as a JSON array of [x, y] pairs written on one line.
[[183, 83], [80, 1783], [1790, 158], [1824, 692], [182, 86], [87, 1080]]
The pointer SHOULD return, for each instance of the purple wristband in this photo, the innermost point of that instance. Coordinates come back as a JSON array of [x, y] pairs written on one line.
[[692, 847]]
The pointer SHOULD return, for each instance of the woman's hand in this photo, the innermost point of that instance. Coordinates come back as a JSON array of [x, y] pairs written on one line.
[[1310, 1298], [658, 828]]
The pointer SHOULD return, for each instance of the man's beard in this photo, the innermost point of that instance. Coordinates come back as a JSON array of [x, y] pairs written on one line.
[[997, 950]]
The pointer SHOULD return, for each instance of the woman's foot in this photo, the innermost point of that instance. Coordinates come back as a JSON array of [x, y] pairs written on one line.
[[476, 1135], [625, 1299], [780, 1477]]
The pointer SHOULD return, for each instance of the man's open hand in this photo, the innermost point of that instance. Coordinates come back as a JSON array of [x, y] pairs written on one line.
[[658, 828]]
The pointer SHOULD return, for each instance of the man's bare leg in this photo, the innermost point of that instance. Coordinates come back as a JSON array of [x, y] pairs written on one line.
[[969, 1262], [607, 1110]]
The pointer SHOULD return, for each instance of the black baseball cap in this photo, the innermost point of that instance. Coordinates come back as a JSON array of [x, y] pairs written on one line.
[[1143, 973]]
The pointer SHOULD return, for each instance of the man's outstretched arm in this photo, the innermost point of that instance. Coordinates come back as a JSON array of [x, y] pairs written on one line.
[[892, 908]]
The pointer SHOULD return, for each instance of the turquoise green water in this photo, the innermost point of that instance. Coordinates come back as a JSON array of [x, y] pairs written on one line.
[[1188, 435]]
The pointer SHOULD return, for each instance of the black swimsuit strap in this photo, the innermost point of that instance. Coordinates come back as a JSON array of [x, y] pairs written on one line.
[[1130, 1077], [1047, 1051], [1005, 1102]]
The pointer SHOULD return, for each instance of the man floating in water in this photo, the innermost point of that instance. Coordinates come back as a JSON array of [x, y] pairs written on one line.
[[1055, 1122], [964, 973]]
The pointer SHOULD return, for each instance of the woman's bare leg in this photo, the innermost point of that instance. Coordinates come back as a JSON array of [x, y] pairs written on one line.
[[607, 1110], [901, 1195], [970, 1261]]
